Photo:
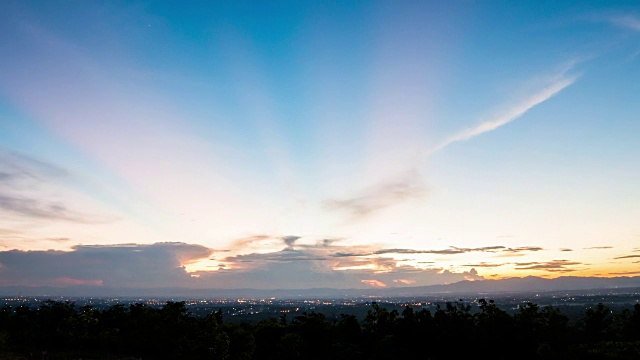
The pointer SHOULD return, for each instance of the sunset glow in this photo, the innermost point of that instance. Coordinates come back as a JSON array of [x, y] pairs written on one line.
[[302, 145]]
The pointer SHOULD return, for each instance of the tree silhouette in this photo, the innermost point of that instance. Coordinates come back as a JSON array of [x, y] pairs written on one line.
[[456, 330], [596, 322]]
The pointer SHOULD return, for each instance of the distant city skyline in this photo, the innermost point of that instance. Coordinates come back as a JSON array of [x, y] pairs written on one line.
[[295, 145]]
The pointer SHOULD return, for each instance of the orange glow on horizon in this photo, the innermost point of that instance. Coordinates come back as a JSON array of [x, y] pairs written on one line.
[[374, 283]]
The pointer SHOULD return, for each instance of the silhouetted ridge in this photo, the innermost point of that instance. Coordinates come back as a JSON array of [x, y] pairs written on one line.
[[510, 285]]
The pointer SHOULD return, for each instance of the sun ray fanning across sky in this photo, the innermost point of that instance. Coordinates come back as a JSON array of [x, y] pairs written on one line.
[[295, 144]]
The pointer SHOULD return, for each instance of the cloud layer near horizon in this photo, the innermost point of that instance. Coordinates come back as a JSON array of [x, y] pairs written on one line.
[[297, 265], [127, 265], [162, 265]]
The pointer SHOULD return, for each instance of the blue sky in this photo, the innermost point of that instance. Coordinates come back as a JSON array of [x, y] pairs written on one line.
[[355, 144]]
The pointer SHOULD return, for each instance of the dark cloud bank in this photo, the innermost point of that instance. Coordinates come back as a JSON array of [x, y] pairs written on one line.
[[161, 265], [135, 266], [135, 269]]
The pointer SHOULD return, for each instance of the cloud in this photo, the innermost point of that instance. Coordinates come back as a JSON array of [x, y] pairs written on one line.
[[552, 266], [270, 241], [290, 240], [483, 265], [566, 249], [523, 248], [30, 189], [512, 112], [162, 265], [407, 275], [508, 255], [11, 232], [407, 187], [473, 276], [276, 271], [323, 266], [405, 281], [451, 251], [128, 265], [328, 242], [13, 236], [625, 273], [374, 283], [58, 239], [598, 247], [627, 257], [410, 185], [242, 242], [285, 255], [72, 281], [39, 209], [17, 168]]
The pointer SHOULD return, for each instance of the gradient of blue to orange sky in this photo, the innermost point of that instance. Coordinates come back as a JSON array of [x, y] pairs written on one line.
[[317, 144]]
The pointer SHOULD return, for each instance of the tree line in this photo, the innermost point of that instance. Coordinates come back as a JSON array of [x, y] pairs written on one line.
[[60, 330]]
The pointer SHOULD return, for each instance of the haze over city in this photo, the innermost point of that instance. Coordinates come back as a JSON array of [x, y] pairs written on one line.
[[298, 145]]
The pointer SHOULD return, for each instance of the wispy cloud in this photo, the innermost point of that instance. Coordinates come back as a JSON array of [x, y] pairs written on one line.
[[483, 265], [512, 112], [406, 187], [30, 189], [21, 181], [13, 236], [273, 241], [523, 248], [410, 185], [33, 208], [627, 257], [286, 255], [598, 247], [451, 251], [242, 242], [328, 242], [625, 273], [18, 168], [552, 266], [10, 232], [58, 239], [508, 255]]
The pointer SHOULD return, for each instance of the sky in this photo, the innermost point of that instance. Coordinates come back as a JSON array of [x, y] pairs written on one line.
[[305, 144]]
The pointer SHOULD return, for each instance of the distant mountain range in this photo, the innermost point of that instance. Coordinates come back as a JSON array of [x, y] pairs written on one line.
[[510, 285]]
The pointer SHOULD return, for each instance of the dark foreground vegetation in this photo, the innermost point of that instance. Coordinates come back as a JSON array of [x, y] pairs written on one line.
[[59, 330]]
